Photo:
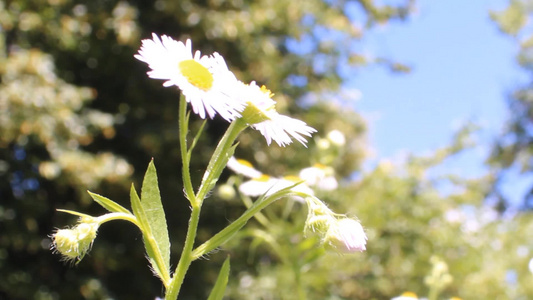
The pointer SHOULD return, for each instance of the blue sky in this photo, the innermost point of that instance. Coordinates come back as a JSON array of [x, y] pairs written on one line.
[[463, 67]]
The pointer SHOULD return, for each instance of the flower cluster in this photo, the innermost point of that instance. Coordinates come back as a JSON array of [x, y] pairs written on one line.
[[211, 88], [318, 176], [262, 184], [336, 231]]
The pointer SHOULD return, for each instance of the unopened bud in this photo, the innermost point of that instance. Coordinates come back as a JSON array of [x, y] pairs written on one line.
[[74, 243], [226, 192], [318, 223], [346, 235]]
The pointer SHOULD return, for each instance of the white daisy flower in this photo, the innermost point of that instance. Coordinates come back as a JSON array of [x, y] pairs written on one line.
[[243, 167], [337, 138], [260, 114], [269, 185], [346, 235], [320, 176], [406, 296], [204, 80]]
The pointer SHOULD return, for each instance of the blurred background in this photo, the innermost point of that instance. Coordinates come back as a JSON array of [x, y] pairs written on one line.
[[424, 111]]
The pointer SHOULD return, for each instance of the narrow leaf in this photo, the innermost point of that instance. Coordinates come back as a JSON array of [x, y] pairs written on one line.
[[227, 233], [108, 204], [220, 285], [217, 170], [197, 137], [74, 213], [155, 215], [149, 242]]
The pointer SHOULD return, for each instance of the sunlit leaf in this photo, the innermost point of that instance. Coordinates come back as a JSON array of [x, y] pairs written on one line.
[[220, 286], [108, 204], [155, 215]]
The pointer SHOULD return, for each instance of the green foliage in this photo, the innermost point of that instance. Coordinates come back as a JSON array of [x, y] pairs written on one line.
[[220, 285], [411, 212], [514, 148], [77, 112], [155, 248], [108, 204], [513, 18], [155, 215]]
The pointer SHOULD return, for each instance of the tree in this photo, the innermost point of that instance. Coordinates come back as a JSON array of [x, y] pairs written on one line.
[[77, 113], [515, 147]]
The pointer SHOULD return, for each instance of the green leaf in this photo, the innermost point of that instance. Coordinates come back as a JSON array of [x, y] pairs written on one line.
[[227, 233], [217, 170], [220, 285], [512, 19], [155, 215], [148, 238], [108, 204], [81, 215], [196, 138]]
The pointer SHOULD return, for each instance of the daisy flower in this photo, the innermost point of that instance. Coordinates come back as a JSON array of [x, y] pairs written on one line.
[[203, 80], [243, 167], [320, 176], [260, 114], [261, 184], [269, 185], [337, 138]]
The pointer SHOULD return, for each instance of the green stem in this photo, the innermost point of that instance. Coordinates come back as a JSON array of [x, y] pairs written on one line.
[[298, 278], [216, 165], [271, 241], [225, 234], [118, 216], [259, 216], [433, 293], [220, 158], [185, 258], [185, 170]]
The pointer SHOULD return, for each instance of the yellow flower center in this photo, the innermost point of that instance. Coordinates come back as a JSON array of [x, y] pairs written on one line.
[[267, 91], [410, 294], [245, 163], [292, 178], [320, 166], [263, 178], [196, 74]]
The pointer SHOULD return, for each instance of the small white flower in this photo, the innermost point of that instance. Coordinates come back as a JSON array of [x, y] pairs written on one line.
[[243, 167], [269, 185], [204, 80], [337, 138], [320, 176], [346, 235], [260, 114]]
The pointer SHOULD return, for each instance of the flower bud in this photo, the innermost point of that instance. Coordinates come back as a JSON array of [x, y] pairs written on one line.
[[318, 223], [346, 235], [226, 192], [74, 243]]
